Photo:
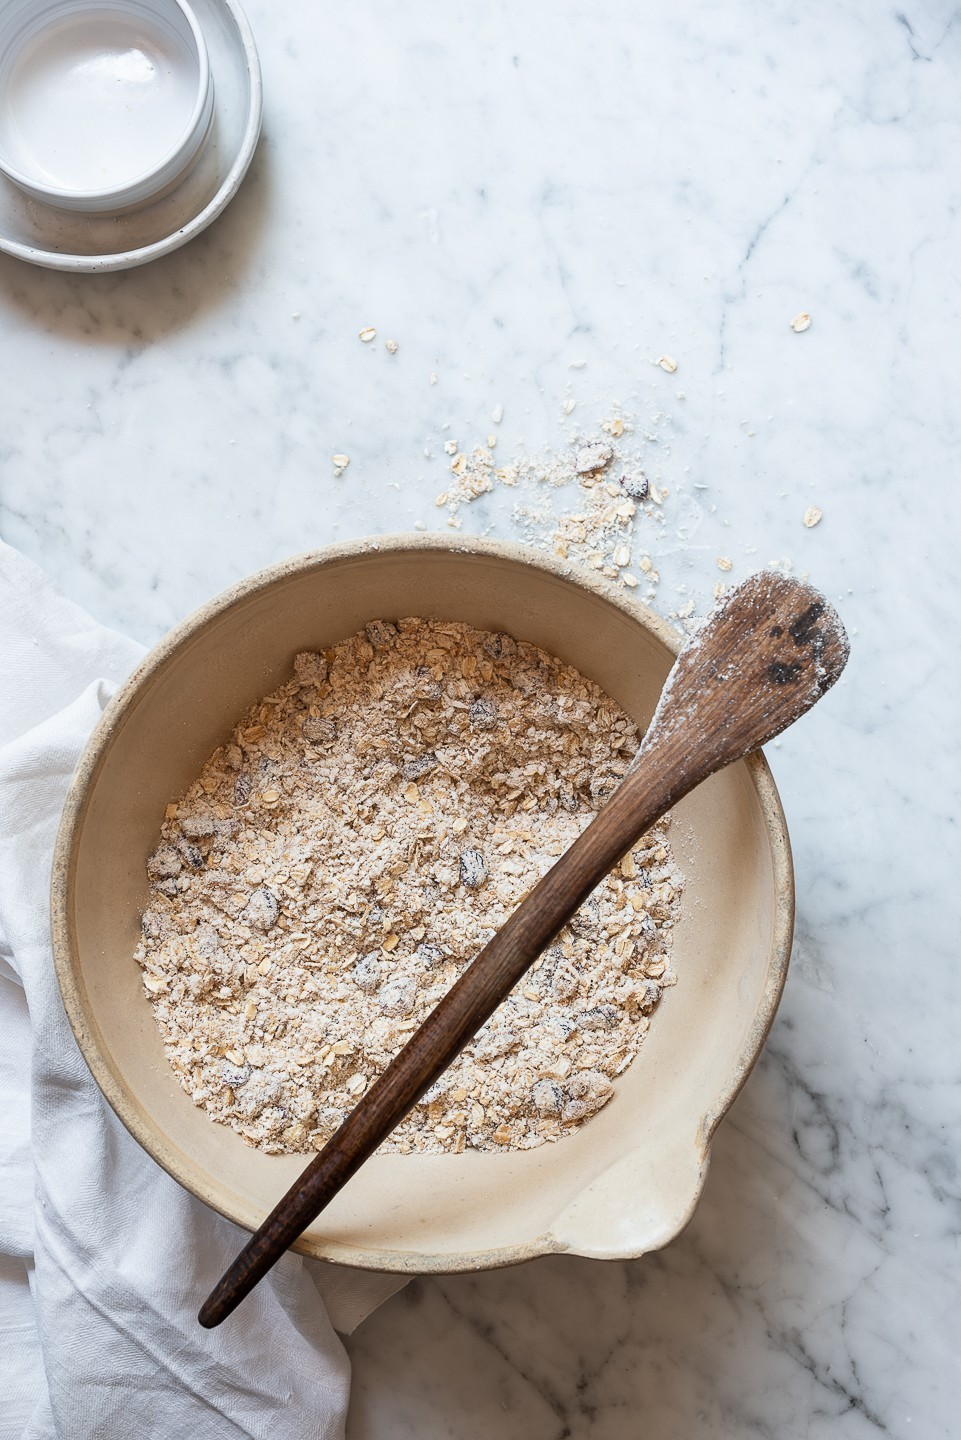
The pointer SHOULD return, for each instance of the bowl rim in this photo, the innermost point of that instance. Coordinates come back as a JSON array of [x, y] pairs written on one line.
[[67, 961], [139, 189]]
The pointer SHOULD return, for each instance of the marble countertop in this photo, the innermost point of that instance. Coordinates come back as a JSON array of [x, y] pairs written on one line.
[[538, 203]]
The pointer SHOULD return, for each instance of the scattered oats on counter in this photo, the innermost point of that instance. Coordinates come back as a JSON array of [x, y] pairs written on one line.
[[342, 858], [801, 322], [613, 494]]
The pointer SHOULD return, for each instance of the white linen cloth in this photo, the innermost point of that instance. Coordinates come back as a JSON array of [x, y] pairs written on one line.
[[104, 1259]]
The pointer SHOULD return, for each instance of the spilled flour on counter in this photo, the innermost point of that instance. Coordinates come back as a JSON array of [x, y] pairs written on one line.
[[590, 502], [338, 864]]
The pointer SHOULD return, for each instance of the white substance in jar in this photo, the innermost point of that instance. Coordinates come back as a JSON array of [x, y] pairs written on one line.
[[93, 102]]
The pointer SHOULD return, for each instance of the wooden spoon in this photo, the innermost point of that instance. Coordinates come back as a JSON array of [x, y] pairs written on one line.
[[764, 657]]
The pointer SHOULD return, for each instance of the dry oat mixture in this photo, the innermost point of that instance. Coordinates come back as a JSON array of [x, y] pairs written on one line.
[[339, 862]]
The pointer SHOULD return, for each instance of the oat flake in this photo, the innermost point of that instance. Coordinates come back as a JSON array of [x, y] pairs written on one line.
[[593, 457]]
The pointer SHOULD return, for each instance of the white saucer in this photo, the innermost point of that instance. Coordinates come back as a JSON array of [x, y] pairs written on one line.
[[63, 240]]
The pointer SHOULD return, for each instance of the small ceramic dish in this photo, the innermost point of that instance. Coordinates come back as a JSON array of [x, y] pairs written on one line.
[[624, 1183], [60, 238], [103, 106]]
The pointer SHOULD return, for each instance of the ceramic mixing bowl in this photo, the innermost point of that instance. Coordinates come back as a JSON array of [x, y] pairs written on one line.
[[624, 1183], [104, 106]]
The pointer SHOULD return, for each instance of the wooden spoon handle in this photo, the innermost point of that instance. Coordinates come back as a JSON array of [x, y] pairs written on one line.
[[763, 659], [639, 801]]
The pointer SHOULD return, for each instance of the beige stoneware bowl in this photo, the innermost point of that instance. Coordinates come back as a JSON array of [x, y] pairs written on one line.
[[623, 1184]]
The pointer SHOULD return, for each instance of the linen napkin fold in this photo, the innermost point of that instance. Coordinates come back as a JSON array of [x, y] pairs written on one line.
[[103, 1257]]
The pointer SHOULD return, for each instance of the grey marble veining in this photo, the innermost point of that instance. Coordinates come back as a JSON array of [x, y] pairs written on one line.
[[537, 202]]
